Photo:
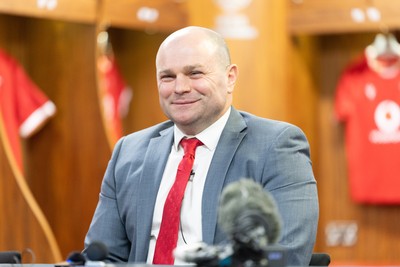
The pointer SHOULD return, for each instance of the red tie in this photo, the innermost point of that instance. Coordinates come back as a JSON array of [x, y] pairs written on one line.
[[168, 236]]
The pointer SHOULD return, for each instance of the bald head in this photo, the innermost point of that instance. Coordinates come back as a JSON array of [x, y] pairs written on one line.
[[210, 39]]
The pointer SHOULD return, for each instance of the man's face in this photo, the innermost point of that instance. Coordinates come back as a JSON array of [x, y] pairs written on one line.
[[194, 86]]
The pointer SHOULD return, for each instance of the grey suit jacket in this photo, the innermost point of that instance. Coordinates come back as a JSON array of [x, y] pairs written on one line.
[[275, 154]]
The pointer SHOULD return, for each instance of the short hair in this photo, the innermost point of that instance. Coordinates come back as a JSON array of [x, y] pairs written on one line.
[[221, 44], [214, 37]]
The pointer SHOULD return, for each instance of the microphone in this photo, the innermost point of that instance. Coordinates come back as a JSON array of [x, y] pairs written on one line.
[[10, 257], [249, 215], [76, 258], [250, 218], [204, 255], [191, 176], [96, 253]]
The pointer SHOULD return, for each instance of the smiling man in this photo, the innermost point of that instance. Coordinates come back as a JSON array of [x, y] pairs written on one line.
[[162, 185]]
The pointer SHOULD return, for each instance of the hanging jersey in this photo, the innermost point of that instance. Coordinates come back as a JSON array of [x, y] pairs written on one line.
[[369, 105], [115, 97], [23, 107]]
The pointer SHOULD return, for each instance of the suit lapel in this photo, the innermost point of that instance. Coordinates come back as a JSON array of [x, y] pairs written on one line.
[[154, 164], [229, 141]]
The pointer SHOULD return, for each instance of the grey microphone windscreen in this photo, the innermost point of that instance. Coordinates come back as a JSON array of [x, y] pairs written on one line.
[[248, 212]]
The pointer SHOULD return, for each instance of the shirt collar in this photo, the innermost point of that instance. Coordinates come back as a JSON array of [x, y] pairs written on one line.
[[209, 137]]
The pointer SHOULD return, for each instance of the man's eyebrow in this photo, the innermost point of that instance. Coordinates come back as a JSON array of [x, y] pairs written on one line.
[[165, 72], [191, 67]]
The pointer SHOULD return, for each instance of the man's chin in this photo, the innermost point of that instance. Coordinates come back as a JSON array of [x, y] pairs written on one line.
[[183, 122], [183, 117]]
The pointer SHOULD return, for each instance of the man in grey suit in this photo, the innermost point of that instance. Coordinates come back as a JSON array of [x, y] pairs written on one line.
[[196, 80]]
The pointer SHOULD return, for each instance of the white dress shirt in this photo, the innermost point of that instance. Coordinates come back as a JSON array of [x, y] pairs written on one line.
[[190, 230]]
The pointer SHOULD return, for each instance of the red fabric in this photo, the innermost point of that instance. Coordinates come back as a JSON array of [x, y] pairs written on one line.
[[115, 96], [368, 104], [23, 106], [168, 236]]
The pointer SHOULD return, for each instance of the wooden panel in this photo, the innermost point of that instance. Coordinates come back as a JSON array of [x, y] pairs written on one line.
[[261, 86], [155, 15], [23, 226], [20, 227], [323, 58], [65, 161], [334, 16], [71, 10], [301, 100]]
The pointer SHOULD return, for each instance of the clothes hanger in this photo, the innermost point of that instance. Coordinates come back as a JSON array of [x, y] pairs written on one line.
[[383, 54], [385, 46], [105, 53], [103, 41]]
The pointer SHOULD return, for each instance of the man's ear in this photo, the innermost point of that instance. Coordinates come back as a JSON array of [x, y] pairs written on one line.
[[232, 74]]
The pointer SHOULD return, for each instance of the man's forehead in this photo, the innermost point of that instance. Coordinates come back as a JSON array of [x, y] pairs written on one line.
[[188, 46]]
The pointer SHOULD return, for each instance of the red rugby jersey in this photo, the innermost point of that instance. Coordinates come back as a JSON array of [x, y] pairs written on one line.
[[23, 107], [369, 105]]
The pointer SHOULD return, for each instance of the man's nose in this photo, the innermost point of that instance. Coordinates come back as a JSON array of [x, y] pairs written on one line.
[[182, 84]]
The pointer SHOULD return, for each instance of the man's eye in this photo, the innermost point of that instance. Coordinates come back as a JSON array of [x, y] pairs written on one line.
[[196, 74], [166, 78]]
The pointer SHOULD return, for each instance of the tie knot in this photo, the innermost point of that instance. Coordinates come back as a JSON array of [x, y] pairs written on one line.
[[190, 145]]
